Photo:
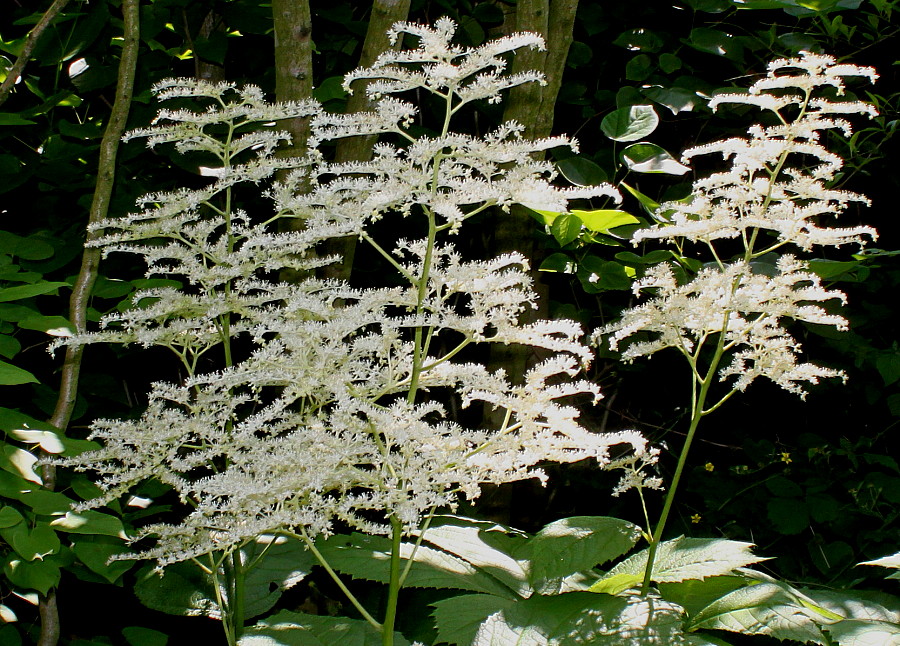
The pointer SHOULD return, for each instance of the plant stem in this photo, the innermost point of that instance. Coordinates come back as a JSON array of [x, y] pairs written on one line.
[[390, 614]]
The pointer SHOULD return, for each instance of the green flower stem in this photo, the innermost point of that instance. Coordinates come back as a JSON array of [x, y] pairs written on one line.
[[238, 574], [697, 413], [390, 614]]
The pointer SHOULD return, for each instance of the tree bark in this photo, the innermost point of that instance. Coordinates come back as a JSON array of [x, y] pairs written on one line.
[[87, 275]]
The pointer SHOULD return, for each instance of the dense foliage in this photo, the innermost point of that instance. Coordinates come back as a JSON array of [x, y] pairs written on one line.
[[814, 485]]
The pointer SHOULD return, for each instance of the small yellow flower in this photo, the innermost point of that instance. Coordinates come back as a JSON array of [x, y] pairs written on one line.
[[786, 457], [709, 466], [696, 518]]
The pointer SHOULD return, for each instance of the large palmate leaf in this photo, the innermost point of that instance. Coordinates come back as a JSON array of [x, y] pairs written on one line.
[[584, 618], [297, 629], [368, 557], [690, 558]]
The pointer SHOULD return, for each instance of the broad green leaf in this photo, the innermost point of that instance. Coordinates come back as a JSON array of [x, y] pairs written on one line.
[[489, 547], [281, 564], [9, 346], [579, 543], [457, 619], [650, 158], [10, 375], [788, 515], [140, 636], [544, 217], [693, 595], [676, 99], [763, 609], [558, 262], [669, 63], [13, 119], [639, 40], [19, 292], [297, 629], [566, 228], [597, 274], [182, 589], [45, 502], [602, 220], [95, 555], [9, 516], [19, 462], [90, 522], [368, 557], [857, 604], [855, 632], [714, 41], [581, 171], [584, 618], [27, 248], [690, 558], [616, 584], [630, 123], [639, 68], [31, 542], [52, 325], [40, 575]]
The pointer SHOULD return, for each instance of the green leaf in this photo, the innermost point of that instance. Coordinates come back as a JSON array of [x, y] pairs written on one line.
[[690, 558], [669, 63], [182, 589], [649, 204], [140, 636], [10, 375], [788, 515], [9, 346], [639, 40], [45, 502], [616, 584], [31, 542], [767, 608], [9, 516], [558, 262], [856, 632], [40, 575], [13, 119], [630, 123], [581, 171], [639, 68], [579, 543], [27, 291], [90, 522], [676, 99], [650, 158], [95, 555], [490, 547], [368, 557], [584, 618], [282, 564], [457, 619], [888, 365], [29, 248], [713, 41], [694, 595], [892, 561], [52, 325], [566, 228], [19, 462], [297, 629], [602, 220]]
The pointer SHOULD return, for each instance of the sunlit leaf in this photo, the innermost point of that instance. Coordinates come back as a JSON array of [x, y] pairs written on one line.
[[630, 123]]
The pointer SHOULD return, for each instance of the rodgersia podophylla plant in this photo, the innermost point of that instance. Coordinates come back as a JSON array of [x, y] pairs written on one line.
[[729, 319], [333, 409]]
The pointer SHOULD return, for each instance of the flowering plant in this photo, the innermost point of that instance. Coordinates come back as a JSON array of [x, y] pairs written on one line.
[[728, 320], [326, 411]]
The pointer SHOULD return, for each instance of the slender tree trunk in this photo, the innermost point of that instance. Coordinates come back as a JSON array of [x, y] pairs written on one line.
[[384, 14], [293, 64], [87, 275]]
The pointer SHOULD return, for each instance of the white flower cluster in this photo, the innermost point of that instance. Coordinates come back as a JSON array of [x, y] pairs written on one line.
[[335, 414], [775, 192], [778, 176]]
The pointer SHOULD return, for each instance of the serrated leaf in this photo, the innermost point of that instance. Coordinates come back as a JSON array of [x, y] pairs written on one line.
[[762, 609], [690, 558], [458, 618], [584, 618], [630, 123], [855, 632], [580, 543], [490, 547], [892, 561], [297, 629], [694, 595], [368, 557]]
